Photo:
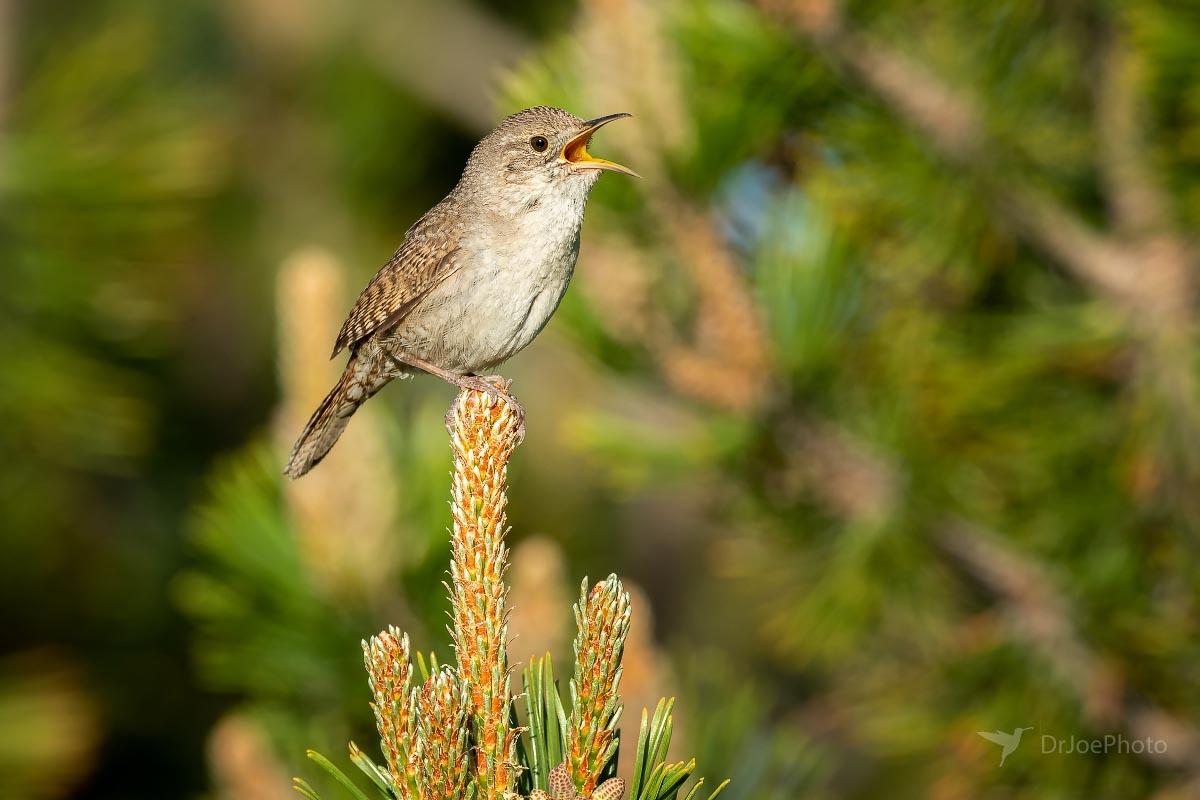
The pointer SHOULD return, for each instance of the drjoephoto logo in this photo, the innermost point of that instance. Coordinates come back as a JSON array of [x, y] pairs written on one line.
[[1072, 745], [1111, 743]]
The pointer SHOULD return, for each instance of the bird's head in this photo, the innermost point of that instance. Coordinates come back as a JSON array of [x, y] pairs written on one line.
[[539, 149]]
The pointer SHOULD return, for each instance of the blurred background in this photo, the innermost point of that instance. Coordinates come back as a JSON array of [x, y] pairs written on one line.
[[881, 386]]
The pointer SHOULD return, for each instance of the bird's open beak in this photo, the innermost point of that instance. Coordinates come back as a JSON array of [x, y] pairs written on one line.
[[575, 151]]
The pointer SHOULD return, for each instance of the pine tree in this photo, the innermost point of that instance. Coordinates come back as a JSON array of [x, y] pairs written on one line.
[[922, 280]]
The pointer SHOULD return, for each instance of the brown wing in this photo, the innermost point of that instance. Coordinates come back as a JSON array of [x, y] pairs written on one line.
[[425, 259]]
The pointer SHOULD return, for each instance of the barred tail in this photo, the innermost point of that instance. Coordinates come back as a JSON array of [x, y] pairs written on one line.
[[328, 421]]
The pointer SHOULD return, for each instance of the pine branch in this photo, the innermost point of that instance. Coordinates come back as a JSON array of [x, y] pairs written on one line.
[[483, 434], [602, 617], [456, 737], [442, 755], [1041, 616], [1137, 202], [952, 124], [389, 670]]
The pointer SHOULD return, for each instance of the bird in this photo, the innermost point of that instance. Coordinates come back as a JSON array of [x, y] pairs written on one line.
[[476, 278], [1008, 741]]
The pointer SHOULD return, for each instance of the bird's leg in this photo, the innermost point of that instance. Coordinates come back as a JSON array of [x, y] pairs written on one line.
[[485, 384], [461, 381]]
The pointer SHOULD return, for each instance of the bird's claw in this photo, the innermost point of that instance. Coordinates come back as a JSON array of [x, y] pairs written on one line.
[[497, 387]]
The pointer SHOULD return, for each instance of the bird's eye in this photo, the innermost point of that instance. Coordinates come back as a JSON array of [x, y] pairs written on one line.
[[539, 143]]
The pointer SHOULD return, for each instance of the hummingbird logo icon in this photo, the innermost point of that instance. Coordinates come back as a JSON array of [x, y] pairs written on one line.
[[1008, 741]]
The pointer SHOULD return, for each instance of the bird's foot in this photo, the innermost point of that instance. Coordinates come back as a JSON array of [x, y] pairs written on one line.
[[500, 384], [494, 386], [497, 387]]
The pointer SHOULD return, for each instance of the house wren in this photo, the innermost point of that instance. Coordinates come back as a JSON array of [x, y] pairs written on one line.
[[477, 277]]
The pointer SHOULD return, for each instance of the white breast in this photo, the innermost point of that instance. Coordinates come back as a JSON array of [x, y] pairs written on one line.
[[509, 285]]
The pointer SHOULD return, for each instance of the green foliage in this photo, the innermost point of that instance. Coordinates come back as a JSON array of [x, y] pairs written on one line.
[[264, 628], [343, 780], [654, 778], [933, 362], [543, 744], [932, 365]]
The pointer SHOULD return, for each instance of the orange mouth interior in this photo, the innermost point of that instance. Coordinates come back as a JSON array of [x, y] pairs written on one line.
[[576, 149]]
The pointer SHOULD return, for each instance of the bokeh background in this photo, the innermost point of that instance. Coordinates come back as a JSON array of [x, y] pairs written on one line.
[[881, 385]]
